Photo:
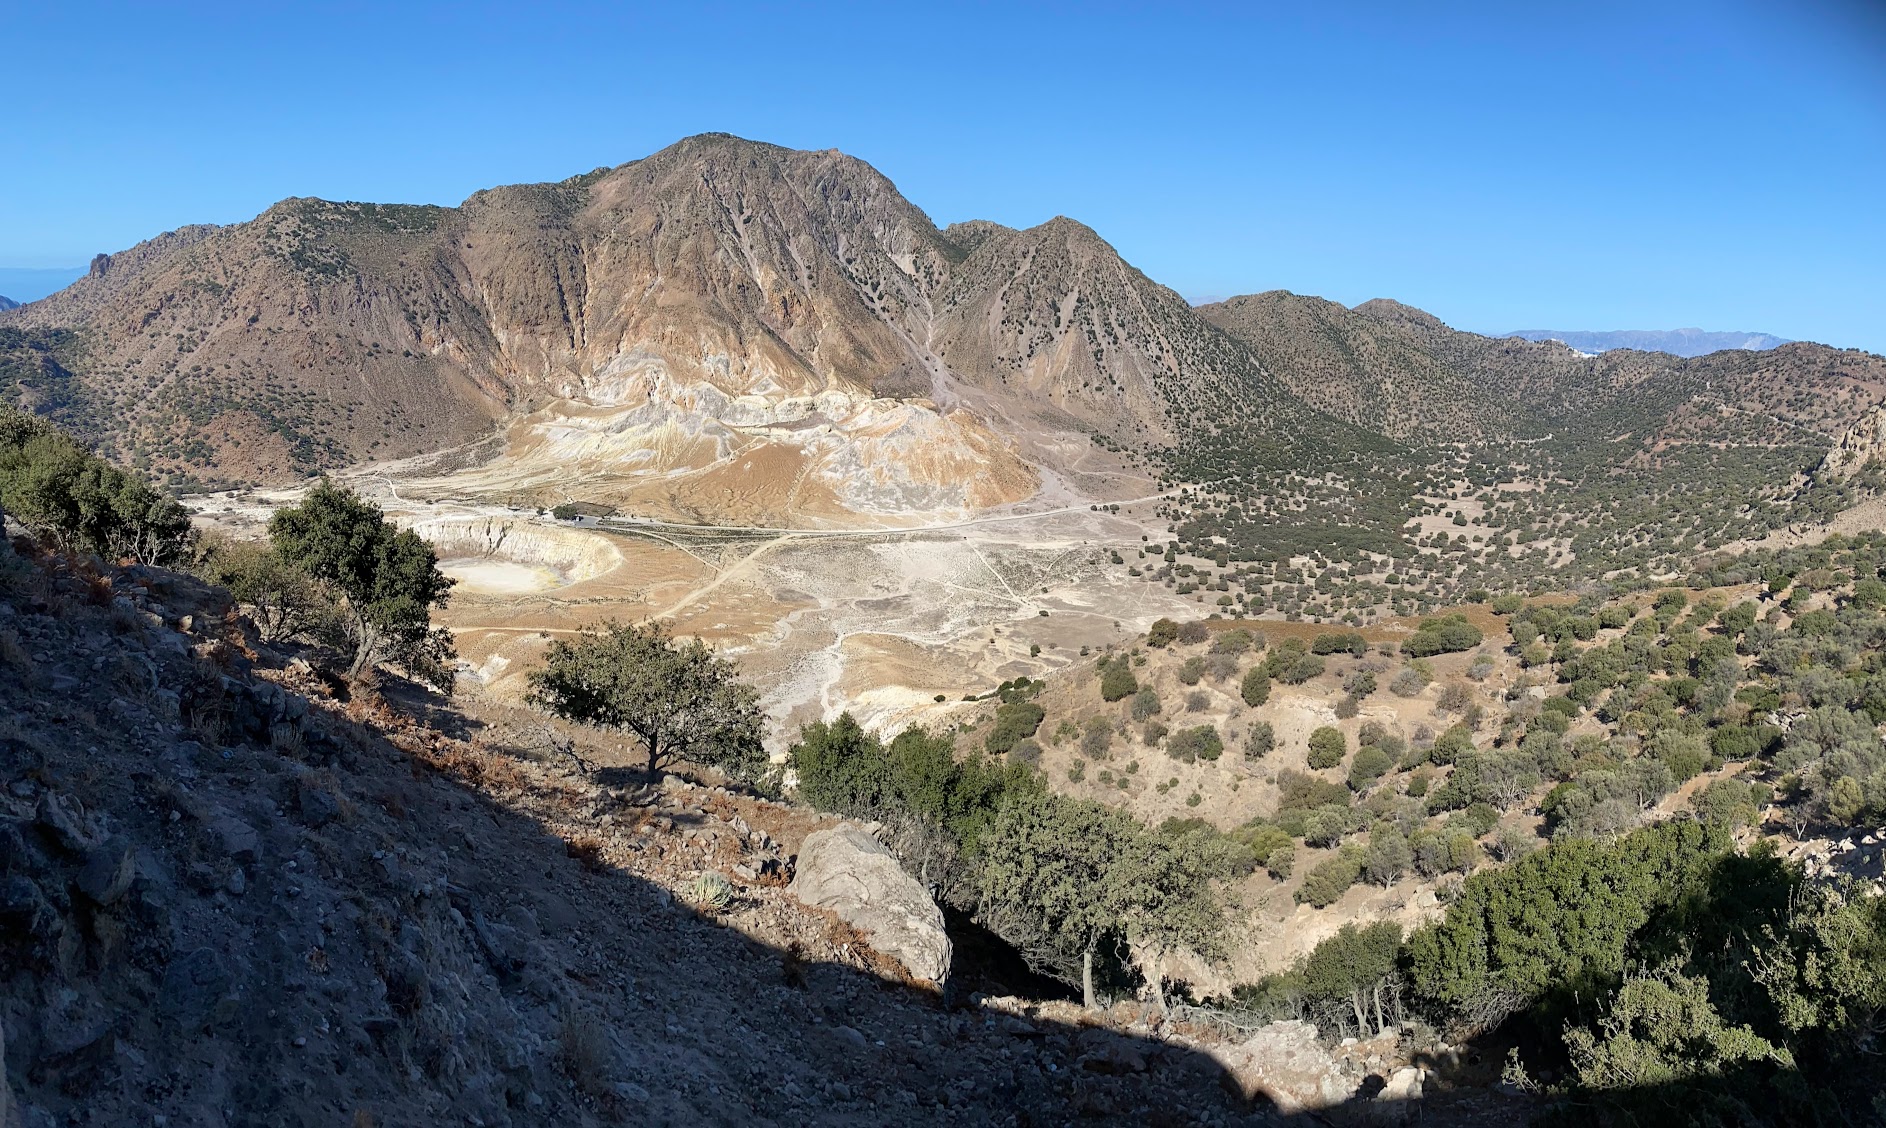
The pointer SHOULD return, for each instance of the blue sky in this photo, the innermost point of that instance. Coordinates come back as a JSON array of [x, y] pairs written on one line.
[[1516, 165]]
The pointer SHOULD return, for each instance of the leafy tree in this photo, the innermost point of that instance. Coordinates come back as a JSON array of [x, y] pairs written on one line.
[[1162, 888], [1339, 642], [1061, 876], [1357, 966], [1045, 879], [1146, 703], [1238, 641], [1330, 878], [1446, 635], [283, 601], [1824, 968], [1845, 801], [678, 698], [1013, 722], [1164, 633], [1327, 747], [1454, 742], [1260, 740], [1727, 802], [1389, 855], [1370, 764], [1116, 679], [840, 766], [1555, 924], [1255, 688], [1662, 1029], [1282, 861], [388, 579], [1284, 656], [1192, 744], [1305, 667], [65, 494]]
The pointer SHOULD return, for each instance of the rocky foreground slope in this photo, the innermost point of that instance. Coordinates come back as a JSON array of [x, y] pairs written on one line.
[[229, 896]]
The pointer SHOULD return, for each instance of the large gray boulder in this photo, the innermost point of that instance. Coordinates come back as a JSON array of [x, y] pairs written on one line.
[[1286, 1065], [850, 873]]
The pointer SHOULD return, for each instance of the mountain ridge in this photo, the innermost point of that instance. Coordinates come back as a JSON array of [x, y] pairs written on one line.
[[717, 266], [729, 331]]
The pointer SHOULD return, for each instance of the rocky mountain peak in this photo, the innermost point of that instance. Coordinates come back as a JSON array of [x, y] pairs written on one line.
[[1394, 312]]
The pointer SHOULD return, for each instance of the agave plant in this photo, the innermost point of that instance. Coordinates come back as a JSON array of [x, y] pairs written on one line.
[[709, 890]]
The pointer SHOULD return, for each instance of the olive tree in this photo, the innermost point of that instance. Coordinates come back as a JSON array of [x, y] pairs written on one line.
[[1059, 877], [676, 697], [386, 579], [1044, 878]]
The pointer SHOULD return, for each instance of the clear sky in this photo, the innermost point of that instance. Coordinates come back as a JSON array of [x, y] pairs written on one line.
[[1512, 165]]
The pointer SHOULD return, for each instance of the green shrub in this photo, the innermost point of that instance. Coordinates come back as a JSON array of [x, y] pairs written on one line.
[[1555, 923], [1330, 878], [1192, 670], [1327, 747], [1302, 670], [1255, 688], [1193, 744], [1235, 642], [1116, 679], [1446, 635], [1282, 861], [1339, 642], [1013, 722], [1260, 740], [1370, 764], [68, 496]]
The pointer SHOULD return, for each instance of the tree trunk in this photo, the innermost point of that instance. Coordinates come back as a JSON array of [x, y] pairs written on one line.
[[367, 641], [1358, 1004], [1087, 979], [1379, 1024], [1157, 979], [654, 758]]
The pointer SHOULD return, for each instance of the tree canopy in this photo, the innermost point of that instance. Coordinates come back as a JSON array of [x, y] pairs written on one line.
[[676, 697], [387, 579], [66, 494]]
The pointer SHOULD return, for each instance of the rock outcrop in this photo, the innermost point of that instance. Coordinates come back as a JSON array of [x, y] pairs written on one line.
[[1286, 1064], [1859, 446], [852, 874]]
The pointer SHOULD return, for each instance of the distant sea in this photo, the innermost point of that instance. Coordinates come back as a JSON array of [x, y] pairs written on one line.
[[29, 284]]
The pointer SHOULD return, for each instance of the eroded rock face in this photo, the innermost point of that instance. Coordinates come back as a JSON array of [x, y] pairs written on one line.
[[847, 871]]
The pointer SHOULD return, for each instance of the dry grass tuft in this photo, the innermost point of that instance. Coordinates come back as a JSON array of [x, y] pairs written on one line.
[[583, 1052], [586, 849]]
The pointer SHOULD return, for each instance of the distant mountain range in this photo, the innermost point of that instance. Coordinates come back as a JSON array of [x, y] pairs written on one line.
[[1676, 342], [728, 330], [8, 303]]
